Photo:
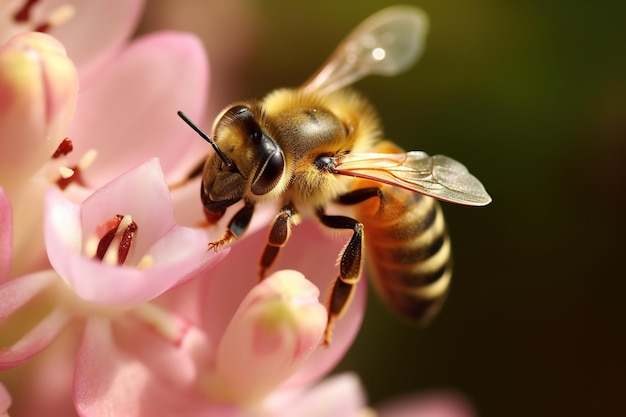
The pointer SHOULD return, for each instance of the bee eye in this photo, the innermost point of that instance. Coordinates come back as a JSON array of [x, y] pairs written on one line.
[[270, 171], [324, 162]]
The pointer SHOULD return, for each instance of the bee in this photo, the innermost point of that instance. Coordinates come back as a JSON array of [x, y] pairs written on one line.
[[322, 143]]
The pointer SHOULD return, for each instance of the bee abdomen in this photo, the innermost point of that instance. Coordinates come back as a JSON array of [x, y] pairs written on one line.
[[409, 253]]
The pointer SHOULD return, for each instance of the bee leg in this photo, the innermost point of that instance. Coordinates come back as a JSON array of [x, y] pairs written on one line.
[[359, 195], [350, 266], [278, 236], [236, 227]]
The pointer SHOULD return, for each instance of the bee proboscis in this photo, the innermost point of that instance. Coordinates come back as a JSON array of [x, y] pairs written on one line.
[[321, 143]]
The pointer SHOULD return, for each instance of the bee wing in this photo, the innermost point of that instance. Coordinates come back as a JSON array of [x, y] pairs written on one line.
[[436, 176], [386, 43]]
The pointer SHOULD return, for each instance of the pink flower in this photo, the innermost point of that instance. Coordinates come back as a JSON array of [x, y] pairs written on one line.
[[111, 293], [103, 26], [38, 88], [110, 303], [5, 400], [140, 252], [433, 404], [6, 236], [231, 280], [273, 332], [119, 286]]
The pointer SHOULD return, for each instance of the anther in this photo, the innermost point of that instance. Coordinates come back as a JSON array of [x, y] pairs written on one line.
[[55, 18], [125, 242], [107, 238], [23, 14], [69, 175], [63, 149], [117, 233]]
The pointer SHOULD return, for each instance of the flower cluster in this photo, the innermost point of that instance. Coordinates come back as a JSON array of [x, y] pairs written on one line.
[[110, 303]]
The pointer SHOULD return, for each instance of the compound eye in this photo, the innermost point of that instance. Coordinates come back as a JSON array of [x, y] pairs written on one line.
[[269, 173]]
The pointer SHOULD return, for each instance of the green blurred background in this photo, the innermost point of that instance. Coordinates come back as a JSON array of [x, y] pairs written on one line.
[[531, 96]]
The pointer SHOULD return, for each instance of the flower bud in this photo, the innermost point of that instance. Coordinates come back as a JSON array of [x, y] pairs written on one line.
[[275, 329], [38, 90]]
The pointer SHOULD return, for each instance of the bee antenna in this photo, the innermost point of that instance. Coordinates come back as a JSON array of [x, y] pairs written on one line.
[[205, 137]]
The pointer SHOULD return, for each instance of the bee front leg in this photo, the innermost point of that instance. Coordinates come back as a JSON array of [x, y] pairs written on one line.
[[350, 267], [280, 231], [236, 227]]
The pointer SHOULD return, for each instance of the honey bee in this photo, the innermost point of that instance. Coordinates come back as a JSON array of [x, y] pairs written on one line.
[[321, 143]]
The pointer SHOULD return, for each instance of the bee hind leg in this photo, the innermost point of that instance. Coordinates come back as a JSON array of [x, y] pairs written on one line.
[[350, 267], [280, 230]]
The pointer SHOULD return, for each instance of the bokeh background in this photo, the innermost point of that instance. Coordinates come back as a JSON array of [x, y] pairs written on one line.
[[531, 96]]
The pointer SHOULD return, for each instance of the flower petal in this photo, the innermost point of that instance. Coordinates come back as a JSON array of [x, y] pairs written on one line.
[[38, 90], [172, 252], [5, 400], [338, 396], [6, 236], [308, 251], [133, 106], [435, 404], [14, 295], [112, 378], [273, 332], [97, 30], [17, 292], [36, 340]]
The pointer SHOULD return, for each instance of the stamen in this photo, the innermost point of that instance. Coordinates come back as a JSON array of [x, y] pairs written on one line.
[[87, 159], [61, 14], [66, 173], [23, 14], [55, 18], [145, 262], [125, 242], [107, 238], [116, 241], [42, 27], [63, 149], [69, 175], [75, 171], [171, 327]]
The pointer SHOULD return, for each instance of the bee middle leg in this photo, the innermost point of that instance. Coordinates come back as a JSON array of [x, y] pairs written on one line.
[[350, 267], [280, 230]]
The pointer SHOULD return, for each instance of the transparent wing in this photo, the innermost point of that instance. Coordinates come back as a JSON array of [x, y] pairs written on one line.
[[435, 176], [386, 43]]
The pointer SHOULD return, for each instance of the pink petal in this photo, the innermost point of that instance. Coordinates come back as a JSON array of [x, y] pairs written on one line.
[[140, 192], [175, 251], [338, 396], [48, 377], [29, 253], [96, 31], [272, 333], [118, 373], [132, 108], [38, 91], [6, 236], [14, 294], [308, 251], [36, 340], [436, 404], [17, 292], [5, 399]]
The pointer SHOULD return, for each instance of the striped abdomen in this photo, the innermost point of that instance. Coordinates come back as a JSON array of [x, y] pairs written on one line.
[[408, 251]]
